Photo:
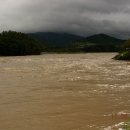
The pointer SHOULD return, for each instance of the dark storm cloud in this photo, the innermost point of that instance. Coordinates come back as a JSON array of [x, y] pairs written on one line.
[[82, 17]]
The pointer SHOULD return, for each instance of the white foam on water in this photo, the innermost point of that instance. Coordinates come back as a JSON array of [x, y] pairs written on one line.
[[117, 126]]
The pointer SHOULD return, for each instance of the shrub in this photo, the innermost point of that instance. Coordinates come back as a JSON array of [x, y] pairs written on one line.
[[125, 55]]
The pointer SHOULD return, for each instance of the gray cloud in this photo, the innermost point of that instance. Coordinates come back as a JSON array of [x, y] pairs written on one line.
[[84, 17]]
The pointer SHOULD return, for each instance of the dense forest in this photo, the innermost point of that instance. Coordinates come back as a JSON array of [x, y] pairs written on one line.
[[16, 43]]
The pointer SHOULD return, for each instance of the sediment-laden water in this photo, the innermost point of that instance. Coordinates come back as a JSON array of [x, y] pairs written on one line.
[[64, 92]]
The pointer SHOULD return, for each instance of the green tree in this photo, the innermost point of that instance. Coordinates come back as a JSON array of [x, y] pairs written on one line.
[[16, 43]]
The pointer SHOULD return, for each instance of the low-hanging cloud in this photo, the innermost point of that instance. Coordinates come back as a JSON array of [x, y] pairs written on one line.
[[83, 17]]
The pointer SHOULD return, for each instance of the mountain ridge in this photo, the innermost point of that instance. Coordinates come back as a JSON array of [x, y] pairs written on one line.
[[71, 43], [55, 39], [102, 39]]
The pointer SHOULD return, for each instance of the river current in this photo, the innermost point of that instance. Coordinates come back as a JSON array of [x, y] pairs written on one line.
[[64, 92]]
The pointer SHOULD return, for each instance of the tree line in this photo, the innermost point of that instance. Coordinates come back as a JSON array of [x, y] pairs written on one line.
[[16, 43]]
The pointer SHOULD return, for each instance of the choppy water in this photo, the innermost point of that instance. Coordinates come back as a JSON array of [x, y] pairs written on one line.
[[63, 92]]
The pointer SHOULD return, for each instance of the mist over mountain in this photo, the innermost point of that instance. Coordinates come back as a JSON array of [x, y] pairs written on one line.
[[81, 17]]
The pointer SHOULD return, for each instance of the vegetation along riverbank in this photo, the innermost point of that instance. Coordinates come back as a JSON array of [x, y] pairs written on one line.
[[124, 53]]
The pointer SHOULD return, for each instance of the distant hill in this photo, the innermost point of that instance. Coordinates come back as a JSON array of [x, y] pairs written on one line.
[[53, 39], [65, 42], [103, 39], [98, 43]]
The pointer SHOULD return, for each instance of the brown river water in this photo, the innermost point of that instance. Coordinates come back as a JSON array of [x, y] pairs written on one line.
[[64, 92]]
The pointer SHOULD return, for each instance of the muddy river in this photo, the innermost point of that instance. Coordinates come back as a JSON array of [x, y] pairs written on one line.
[[64, 92]]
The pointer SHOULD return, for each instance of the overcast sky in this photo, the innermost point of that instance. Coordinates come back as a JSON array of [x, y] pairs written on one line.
[[83, 17]]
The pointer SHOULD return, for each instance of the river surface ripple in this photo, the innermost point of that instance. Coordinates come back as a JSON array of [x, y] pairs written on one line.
[[63, 92]]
